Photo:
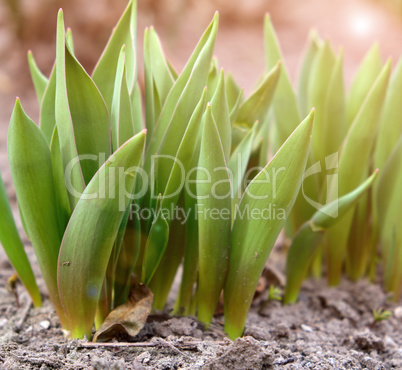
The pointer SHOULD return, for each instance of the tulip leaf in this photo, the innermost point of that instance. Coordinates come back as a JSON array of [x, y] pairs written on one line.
[[213, 78], [310, 235], [234, 93], [183, 98], [365, 78], [389, 132], [38, 78], [189, 146], [386, 196], [136, 106], [307, 69], [256, 107], [127, 257], [12, 244], [389, 203], [239, 161], [286, 111], [31, 169], [167, 269], [120, 116], [105, 70], [155, 247], [391, 122], [335, 127], [259, 218], [161, 73], [157, 75], [90, 235], [214, 218], [317, 95], [186, 295], [64, 210], [220, 111], [70, 40], [82, 119], [47, 120], [353, 167]]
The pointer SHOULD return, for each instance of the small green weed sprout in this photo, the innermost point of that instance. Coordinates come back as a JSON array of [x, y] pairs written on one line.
[[381, 315], [274, 293]]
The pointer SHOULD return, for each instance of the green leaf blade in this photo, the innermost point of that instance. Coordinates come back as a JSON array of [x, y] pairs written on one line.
[[353, 167], [213, 197], [284, 102], [389, 203], [366, 76], [253, 237], [91, 233], [183, 96], [105, 70], [122, 125], [256, 107], [391, 123], [31, 169], [310, 235], [38, 78], [14, 248], [82, 119], [155, 247], [307, 69], [317, 96], [89, 116], [47, 119], [64, 209], [220, 111]]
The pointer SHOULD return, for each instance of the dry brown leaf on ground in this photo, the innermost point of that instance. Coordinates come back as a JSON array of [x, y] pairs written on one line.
[[129, 318]]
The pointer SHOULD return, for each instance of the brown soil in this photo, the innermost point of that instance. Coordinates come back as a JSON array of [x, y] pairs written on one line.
[[328, 328]]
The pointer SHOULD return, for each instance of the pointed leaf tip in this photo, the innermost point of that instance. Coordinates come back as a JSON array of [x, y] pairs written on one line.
[[60, 19]]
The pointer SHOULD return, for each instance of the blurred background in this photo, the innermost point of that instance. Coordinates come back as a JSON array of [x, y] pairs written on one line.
[[27, 24]]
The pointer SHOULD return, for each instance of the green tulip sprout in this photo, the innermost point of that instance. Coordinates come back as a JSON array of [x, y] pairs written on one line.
[[118, 185]]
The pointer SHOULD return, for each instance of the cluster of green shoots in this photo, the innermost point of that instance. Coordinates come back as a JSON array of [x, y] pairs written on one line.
[[106, 192]]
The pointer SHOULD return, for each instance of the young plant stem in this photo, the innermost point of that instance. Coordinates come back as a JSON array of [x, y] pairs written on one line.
[[165, 273]]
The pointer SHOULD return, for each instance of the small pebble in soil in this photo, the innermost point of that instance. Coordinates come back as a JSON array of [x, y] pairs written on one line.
[[389, 342], [307, 328], [398, 312], [144, 357], [3, 323], [45, 324], [102, 364]]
